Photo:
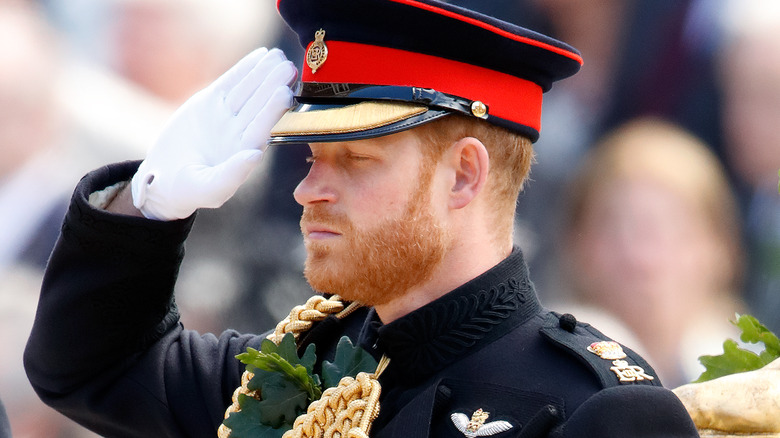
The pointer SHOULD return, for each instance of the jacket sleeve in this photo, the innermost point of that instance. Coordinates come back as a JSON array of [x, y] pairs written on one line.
[[106, 348], [629, 411]]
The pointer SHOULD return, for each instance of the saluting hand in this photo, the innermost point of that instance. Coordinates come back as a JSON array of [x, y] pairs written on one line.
[[215, 139]]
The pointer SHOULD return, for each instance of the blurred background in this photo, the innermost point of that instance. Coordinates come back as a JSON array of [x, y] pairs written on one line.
[[652, 213]]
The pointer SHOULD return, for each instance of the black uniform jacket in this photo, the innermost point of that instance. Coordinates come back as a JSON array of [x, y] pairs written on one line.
[[107, 349]]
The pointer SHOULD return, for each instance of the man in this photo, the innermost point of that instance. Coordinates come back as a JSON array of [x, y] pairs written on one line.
[[420, 117]]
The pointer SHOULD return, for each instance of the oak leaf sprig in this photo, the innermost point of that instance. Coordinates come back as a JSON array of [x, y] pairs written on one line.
[[287, 384], [736, 359]]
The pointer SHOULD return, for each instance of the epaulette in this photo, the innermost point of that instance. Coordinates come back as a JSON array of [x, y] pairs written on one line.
[[614, 364]]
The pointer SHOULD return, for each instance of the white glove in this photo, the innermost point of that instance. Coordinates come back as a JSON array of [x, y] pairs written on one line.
[[215, 139]]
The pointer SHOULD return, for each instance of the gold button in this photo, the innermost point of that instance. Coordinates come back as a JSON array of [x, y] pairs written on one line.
[[479, 109]]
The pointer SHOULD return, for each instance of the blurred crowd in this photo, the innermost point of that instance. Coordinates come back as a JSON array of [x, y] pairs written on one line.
[[653, 211]]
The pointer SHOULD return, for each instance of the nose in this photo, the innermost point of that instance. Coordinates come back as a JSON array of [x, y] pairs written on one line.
[[316, 187]]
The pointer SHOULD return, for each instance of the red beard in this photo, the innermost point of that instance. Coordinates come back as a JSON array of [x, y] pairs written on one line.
[[374, 266]]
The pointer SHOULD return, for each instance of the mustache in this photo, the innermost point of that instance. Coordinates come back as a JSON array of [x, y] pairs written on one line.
[[320, 215]]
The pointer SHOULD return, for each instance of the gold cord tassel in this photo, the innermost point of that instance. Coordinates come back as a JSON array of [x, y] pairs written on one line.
[[363, 392], [346, 410]]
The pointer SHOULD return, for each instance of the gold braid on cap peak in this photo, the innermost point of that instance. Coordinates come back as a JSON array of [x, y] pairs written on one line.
[[346, 410]]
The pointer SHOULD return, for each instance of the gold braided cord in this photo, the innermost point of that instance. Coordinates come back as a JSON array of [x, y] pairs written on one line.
[[301, 318], [346, 410]]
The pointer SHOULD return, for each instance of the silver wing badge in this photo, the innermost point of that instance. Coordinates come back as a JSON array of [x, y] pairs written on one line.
[[476, 426]]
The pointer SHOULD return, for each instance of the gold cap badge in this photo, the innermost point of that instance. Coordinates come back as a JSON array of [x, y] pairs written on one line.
[[607, 350], [318, 51]]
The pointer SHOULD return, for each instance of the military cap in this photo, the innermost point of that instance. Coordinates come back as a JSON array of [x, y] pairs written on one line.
[[376, 67]]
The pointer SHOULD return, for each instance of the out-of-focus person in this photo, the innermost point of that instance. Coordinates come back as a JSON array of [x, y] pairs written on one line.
[[172, 48], [33, 183], [632, 48], [652, 238], [36, 170], [750, 79]]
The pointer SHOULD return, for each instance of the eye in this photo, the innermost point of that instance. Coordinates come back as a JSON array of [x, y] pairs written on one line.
[[358, 157], [310, 159]]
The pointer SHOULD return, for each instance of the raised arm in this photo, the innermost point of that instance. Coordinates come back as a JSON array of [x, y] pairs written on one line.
[[106, 347]]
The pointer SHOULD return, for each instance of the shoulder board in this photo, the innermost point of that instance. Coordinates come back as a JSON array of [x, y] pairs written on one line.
[[614, 364]]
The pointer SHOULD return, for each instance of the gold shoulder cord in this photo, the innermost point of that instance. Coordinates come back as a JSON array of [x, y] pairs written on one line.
[[346, 410]]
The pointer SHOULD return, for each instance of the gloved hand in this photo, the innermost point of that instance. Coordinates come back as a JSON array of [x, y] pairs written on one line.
[[215, 139]]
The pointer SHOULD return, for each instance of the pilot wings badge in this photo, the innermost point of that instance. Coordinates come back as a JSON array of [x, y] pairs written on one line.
[[476, 426]]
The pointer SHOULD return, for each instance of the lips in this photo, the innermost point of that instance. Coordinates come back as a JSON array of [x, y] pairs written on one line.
[[318, 231], [319, 224]]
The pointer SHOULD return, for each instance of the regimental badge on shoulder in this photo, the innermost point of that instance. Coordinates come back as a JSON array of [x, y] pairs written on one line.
[[613, 351], [318, 51], [607, 350], [629, 373], [476, 426]]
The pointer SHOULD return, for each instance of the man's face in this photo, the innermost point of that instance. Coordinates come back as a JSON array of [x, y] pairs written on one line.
[[369, 229]]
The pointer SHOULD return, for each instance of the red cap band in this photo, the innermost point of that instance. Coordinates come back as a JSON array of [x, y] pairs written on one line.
[[507, 97]]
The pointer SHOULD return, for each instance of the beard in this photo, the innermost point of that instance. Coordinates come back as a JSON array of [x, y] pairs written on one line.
[[374, 266]]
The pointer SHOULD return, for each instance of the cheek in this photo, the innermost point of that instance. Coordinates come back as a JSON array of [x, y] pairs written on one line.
[[374, 204], [386, 193]]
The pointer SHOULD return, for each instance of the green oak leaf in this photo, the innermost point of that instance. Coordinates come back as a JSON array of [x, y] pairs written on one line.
[[287, 349], [755, 332], [767, 356], [284, 360], [308, 360], [260, 376], [737, 360], [348, 361], [282, 401], [246, 423], [733, 360], [285, 383]]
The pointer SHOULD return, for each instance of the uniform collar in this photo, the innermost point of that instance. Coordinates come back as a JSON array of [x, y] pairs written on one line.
[[460, 322]]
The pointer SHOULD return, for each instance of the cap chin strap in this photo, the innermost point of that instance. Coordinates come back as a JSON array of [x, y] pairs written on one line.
[[346, 410], [340, 94]]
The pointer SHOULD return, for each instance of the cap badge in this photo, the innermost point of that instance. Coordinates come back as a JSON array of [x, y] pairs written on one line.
[[479, 109], [318, 51], [607, 350], [629, 373], [476, 426]]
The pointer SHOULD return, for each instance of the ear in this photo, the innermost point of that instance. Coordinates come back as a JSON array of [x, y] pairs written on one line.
[[470, 164]]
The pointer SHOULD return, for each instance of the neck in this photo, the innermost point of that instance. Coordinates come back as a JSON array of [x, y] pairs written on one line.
[[463, 263]]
